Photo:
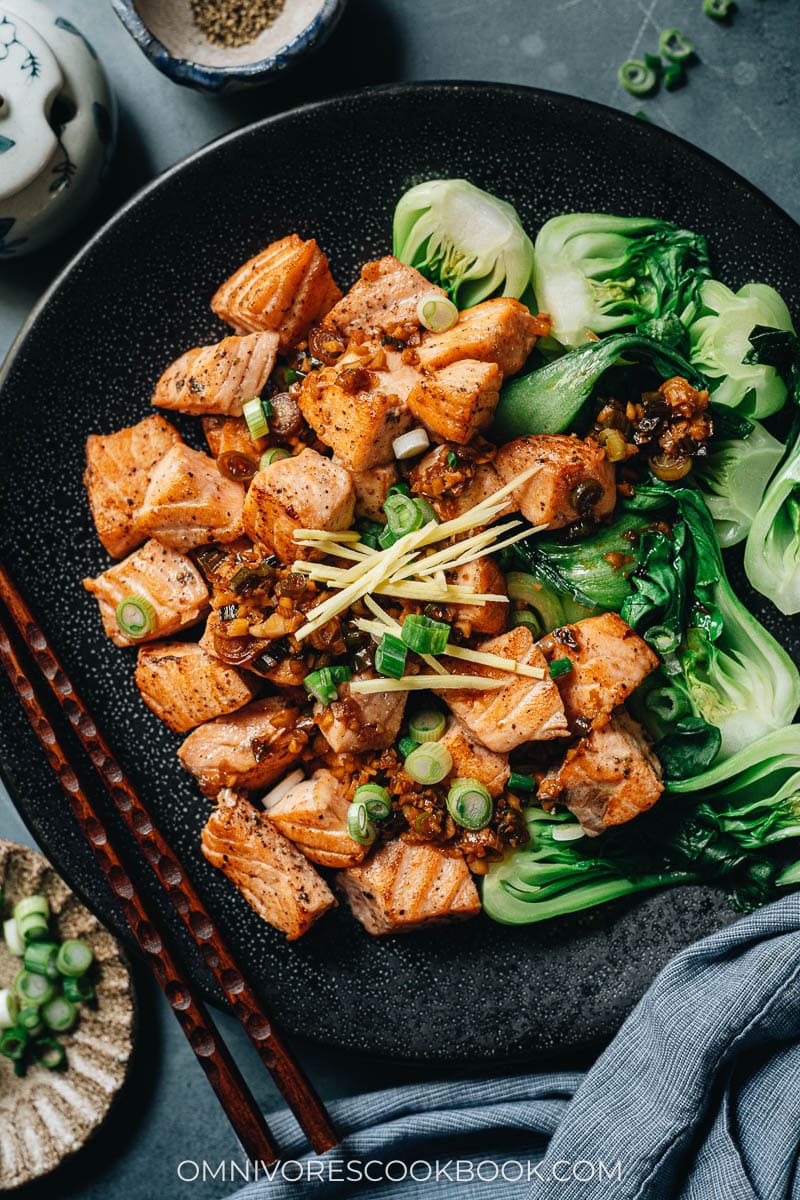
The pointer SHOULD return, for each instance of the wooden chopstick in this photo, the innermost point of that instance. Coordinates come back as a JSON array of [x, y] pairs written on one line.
[[289, 1077], [211, 1052]]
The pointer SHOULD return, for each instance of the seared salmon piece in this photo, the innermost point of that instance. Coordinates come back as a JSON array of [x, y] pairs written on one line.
[[472, 760], [219, 378], [248, 749], [404, 887], [355, 723], [304, 492], [609, 661], [575, 481], [284, 289], [522, 710], [498, 331], [272, 875], [189, 502], [383, 300], [185, 686], [118, 469], [372, 488], [481, 576], [358, 415], [313, 815], [168, 581], [458, 402], [608, 778], [431, 478]]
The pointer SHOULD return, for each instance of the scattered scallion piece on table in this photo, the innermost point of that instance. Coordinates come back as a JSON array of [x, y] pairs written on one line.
[[135, 616], [673, 76], [674, 46], [637, 78], [718, 10], [469, 804], [429, 763]]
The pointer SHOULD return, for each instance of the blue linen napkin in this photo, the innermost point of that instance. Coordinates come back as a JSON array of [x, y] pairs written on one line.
[[697, 1098]]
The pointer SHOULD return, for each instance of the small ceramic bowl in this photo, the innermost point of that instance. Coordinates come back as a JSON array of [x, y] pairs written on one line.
[[169, 36]]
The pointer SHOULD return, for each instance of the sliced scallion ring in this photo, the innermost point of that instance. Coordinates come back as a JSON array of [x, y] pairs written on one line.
[[429, 763], [281, 789], [403, 515], [667, 703], [675, 46], [718, 10], [410, 444], [49, 1053], [662, 638], [40, 958], [320, 685], [78, 990], [59, 1014], [74, 957], [427, 510], [13, 1043], [359, 826], [521, 783], [437, 313], [469, 804], [427, 725], [136, 616], [13, 938], [274, 454], [559, 667], [524, 616], [256, 413], [32, 915], [30, 1019], [376, 800], [406, 745], [33, 989], [390, 656], [637, 78], [424, 635], [9, 1009]]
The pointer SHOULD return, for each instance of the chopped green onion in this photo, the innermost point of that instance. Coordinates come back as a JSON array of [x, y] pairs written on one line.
[[49, 1053], [410, 444], [376, 800], [673, 76], [40, 958], [521, 783], [667, 703], [398, 489], [59, 1014], [406, 745], [524, 616], [437, 313], [208, 558], [427, 725], [79, 989], [429, 763], [390, 656], [30, 1019], [13, 1043], [469, 804], [274, 454], [386, 538], [674, 46], [427, 510], [247, 578], [718, 10], [320, 685], [559, 667], [653, 61], [33, 989], [359, 826], [424, 635], [402, 514], [9, 1008], [637, 78], [289, 376], [370, 532], [340, 674], [13, 938], [452, 458], [256, 413], [135, 616], [74, 957], [32, 915], [662, 638]]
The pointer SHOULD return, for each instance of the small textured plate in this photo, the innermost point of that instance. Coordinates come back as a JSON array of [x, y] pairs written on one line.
[[47, 1115]]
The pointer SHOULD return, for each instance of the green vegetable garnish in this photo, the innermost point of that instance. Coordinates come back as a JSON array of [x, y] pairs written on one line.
[[675, 46], [424, 635], [74, 957], [429, 764], [376, 800], [359, 826], [637, 77], [559, 667], [390, 656], [256, 413], [469, 804], [427, 725], [733, 478], [718, 10], [135, 616]]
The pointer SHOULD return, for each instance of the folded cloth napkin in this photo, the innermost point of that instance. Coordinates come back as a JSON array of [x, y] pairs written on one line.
[[697, 1098]]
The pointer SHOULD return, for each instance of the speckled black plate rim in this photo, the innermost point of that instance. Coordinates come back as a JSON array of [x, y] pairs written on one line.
[[580, 1047]]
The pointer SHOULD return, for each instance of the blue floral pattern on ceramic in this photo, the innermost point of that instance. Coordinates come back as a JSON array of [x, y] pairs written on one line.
[[11, 43]]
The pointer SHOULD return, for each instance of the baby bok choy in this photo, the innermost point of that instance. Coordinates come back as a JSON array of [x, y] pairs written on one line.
[[463, 239], [594, 273], [733, 477]]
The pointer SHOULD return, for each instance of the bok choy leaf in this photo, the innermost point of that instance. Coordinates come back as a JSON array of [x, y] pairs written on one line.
[[733, 478]]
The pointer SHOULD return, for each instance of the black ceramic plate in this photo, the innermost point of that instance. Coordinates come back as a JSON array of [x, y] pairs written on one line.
[[136, 297]]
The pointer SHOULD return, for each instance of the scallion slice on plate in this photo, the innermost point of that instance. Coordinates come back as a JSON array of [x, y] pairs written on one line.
[[30, 1019], [427, 725], [424, 635], [390, 656], [430, 763], [135, 616], [40, 959], [376, 800], [48, 1052], [410, 444], [79, 989], [469, 804], [256, 413], [13, 1043], [359, 826], [437, 313], [403, 515], [274, 454]]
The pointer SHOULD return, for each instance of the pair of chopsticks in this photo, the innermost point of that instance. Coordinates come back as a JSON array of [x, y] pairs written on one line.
[[144, 921]]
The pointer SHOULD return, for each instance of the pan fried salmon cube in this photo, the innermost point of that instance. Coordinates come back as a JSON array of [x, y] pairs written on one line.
[[472, 760], [169, 581], [118, 469], [284, 289], [189, 502], [355, 723], [576, 480], [383, 300], [313, 815], [271, 874], [372, 488], [220, 378], [248, 749], [609, 661], [184, 686], [404, 887], [482, 576], [458, 402], [498, 331], [522, 710], [358, 416], [608, 778], [304, 492]]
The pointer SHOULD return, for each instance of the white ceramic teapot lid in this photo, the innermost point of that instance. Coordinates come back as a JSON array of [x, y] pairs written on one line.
[[30, 79]]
